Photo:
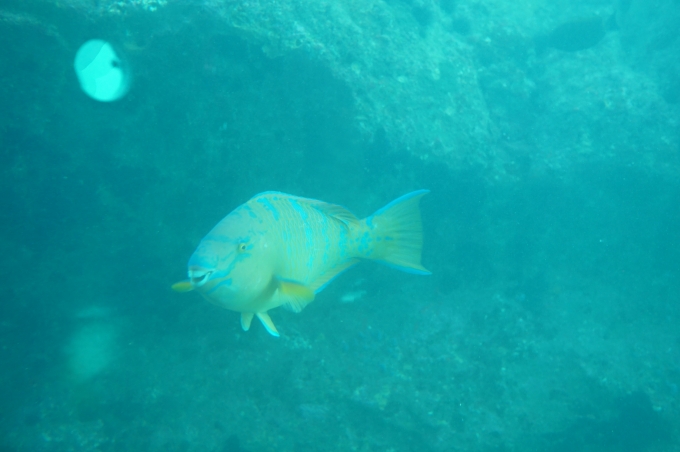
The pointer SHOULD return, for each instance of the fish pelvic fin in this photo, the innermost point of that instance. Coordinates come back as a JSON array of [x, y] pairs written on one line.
[[246, 319], [182, 286], [267, 323], [396, 234]]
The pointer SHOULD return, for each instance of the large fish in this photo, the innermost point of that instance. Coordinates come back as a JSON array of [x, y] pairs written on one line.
[[281, 250]]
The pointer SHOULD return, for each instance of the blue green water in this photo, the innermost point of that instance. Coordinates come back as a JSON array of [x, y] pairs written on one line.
[[550, 322]]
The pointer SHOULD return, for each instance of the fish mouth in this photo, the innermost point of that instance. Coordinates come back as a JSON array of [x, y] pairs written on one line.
[[199, 276]]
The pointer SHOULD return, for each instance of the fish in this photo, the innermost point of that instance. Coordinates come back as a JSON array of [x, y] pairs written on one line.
[[282, 250], [579, 34]]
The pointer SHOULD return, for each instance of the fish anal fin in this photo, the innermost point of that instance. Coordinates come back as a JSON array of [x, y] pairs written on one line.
[[182, 286], [293, 295], [267, 323], [246, 319], [322, 281]]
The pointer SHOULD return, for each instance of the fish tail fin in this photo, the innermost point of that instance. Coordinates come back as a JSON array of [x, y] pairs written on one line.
[[396, 234]]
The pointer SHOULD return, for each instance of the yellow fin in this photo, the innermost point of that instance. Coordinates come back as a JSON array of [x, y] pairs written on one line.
[[267, 322], [323, 280], [246, 318], [182, 286], [336, 212], [398, 234], [294, 296]]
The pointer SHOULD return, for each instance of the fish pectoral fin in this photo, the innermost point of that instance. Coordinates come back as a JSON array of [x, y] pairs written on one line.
[[182, 286], [267, 323], [246, 319], [293, 295]]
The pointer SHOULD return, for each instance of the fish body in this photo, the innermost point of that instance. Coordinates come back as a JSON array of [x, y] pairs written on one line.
[[281, 250], [579, 34]]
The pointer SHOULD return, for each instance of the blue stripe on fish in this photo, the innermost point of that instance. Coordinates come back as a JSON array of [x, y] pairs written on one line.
[[249, 210], [217, 238], [225, 282], [299, 209], [309, 239], [267, 205], [327, 240], [343, 245]]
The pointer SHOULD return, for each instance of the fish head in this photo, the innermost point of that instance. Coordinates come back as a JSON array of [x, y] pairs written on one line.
[[231, 266]]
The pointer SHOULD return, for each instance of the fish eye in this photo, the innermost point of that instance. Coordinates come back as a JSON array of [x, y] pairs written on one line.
[[241, 247]]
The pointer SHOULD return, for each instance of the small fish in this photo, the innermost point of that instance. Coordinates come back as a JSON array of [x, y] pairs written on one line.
[[351, 297], [282, 250]]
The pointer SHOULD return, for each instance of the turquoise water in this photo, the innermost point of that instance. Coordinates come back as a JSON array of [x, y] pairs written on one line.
[[550, 321]]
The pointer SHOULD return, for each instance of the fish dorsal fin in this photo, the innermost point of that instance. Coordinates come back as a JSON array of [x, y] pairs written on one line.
[[335, 212], [294, 295]]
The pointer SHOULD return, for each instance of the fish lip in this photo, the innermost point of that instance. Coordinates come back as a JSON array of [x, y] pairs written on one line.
[[199, 276]]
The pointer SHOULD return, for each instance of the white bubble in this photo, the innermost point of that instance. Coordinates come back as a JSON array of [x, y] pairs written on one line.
[[101, 73], [90, 350]]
